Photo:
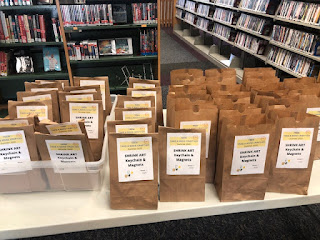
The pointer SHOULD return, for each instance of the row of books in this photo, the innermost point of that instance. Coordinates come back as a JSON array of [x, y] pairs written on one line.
[[15, 2], [144, 13], [294, 38], [251, 43], [202, 23], [300, 11], [222, 31], [223, 15], [181, 3], [291, 61], [25, 28], [226, 2], [179, 13], [256, 24], [84, 50], [97, 14], [148, 42], [191, 6], [203, 10], [255, 5], [189, 17]]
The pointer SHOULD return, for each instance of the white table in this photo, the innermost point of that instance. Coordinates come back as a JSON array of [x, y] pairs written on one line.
[[37, 214]]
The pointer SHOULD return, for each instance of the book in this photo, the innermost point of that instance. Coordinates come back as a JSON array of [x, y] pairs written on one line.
[[123, 46], [107, 47], [51, 59]]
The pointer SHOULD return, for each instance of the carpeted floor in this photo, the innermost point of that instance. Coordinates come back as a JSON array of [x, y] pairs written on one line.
[[301, 222]]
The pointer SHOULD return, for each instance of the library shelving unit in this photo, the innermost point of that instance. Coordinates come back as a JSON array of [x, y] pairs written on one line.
[[12, 83], [104, 66], [111, 66], [225, 52]]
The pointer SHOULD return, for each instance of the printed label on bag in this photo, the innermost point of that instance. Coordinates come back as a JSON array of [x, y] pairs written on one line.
[[29, 111], [90, 113], [80, 98], [43, 89], [14, 123], [143, 85], [102, 85], [295, 148], [199, 125], [64, 129], [183, 153], [136, 115], [67, 156], [132, 129], [135, 159], [316, 112], [136, 104], [83, 91], [14, 152], [249, 154], [37, 98]]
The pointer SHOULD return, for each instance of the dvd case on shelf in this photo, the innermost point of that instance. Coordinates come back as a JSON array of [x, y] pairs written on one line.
[[202, 23], [144, 13], [189, 17], [181, 3], [191, 6], [148, 42], [300, 11], [226, 2], [291, 61], [222, 31], [97, 14], [203, 10], [223, 15], [15, 3], [83, 50], [256, 24], [296, 39], [255, 5], [251, 43]]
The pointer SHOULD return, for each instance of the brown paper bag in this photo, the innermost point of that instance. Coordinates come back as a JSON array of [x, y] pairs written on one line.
[[40, 96], [150, 92], [18, 109], [83, 89], [92, 113], [79, 97], [191, 71], [137, 83], [64, 83], [200, 116], [21, 122], [296, 137], [103, 82], [141, 126], [133, 180], [182, 164], [243, 163], [37, 87], [127, 102]]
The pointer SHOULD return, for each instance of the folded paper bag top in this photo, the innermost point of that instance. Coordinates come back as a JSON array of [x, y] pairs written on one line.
[[133, 161]]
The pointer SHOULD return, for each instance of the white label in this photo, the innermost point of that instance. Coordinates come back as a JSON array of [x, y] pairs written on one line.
[[102, 85], [136, 104], [135, 159], [29, 111], [82, 97], [90, 113], [83, 91], [249, 154], [143, 85], [136, 115], [37, 98], [43, 89], [316, 112], [13, 123], [14, 153], [295, 147], [64, 129], [183, 153], [146, 94], [67, 156], [132, 128], [199, 125]]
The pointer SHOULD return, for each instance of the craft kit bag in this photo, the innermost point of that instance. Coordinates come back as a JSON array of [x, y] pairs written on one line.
[[129, 102], [141, 126], [137, 83]]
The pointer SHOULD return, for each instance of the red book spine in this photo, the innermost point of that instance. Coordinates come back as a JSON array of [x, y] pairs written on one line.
[[2, 38], [22, 29], [42, 28]]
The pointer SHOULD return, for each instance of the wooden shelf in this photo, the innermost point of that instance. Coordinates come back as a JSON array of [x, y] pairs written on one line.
[[111, 59], [34, 44], [33, 76], [297, 51], [27, 8], [69, 29]]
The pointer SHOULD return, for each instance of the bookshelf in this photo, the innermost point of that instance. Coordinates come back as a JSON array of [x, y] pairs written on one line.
[[181, 26]]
